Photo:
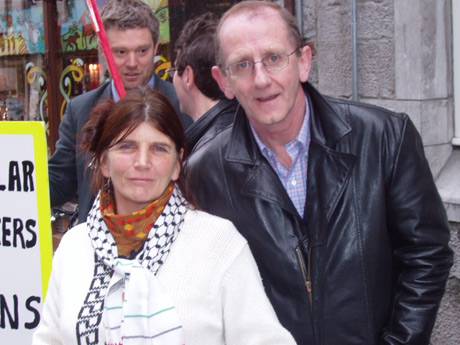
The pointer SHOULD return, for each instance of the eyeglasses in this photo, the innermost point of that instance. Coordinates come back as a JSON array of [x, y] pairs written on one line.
[[272, 63], [171, 71]]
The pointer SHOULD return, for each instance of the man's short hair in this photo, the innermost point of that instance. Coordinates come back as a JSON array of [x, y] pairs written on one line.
[[130, 14], [195, 48], [254, 7]]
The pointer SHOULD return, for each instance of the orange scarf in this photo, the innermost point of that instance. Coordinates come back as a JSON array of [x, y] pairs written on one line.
[[130, 231]]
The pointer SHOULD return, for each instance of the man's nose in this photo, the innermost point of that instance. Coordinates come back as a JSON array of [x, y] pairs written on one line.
[[261, 76], [131, 59]]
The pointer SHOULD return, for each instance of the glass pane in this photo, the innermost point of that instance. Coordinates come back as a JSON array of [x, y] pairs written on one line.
[[22, 45], [80, 63]]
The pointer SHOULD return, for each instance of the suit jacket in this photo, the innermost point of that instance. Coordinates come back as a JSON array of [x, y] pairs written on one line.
[[368, 261], [69, 175]]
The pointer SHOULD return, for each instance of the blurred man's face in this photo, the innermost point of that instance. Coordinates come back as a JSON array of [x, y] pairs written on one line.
[[133, 52], [272, 100]]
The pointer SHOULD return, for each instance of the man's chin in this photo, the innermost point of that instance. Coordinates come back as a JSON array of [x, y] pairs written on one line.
[[133, 83], [130, 86]]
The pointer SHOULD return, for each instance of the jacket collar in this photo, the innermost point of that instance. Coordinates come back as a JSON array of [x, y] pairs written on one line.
[[327, 128], [201, 126], [329, 169], [106, 90]]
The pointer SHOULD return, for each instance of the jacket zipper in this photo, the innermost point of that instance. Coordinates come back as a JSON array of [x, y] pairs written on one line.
[[305, 271]]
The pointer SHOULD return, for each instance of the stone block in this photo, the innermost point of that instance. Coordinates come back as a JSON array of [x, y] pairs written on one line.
[[334, 69], [446, 330], [313, 78], [420, 49], [375, 19], [435, 122], [334, 49], [448, 185], [437, 156], [334, 21], [310, 16], [455, 245], [376, 68]]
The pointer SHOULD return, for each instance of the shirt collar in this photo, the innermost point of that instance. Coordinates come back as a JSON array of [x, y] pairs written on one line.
[[115, 95]]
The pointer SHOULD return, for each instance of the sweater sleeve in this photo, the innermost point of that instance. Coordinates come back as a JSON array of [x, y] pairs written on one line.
[[248, 316], [47, 332]]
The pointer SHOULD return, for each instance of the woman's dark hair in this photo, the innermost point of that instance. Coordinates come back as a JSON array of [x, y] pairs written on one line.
[[111, 122]]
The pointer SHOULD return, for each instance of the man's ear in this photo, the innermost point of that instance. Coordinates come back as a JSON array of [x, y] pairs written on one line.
[[305, 62], [222, 81], [155, 48], [188, 77]]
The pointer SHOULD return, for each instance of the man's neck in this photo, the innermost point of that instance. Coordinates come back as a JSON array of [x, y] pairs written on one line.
[[277, 136], [201, 105], [280, 134], [115, 96]]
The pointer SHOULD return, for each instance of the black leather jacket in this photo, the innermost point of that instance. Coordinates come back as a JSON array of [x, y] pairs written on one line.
[[368, 262], [210, 123]]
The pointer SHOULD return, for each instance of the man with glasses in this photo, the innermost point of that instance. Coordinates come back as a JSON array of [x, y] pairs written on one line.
[[335, 198]]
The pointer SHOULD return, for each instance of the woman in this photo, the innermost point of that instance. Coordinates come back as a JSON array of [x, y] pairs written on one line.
[[146, 267]]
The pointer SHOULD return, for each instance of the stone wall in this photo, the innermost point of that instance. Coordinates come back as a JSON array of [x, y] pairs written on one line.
[[404, 64], [404, 61], [447, 330]]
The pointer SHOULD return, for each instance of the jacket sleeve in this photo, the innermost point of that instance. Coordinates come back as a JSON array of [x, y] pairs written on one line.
[[249, 317], [62, 165], [420, 235]]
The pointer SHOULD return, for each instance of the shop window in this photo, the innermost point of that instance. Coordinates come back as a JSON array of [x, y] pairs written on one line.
[[22, 46], [79, 66]]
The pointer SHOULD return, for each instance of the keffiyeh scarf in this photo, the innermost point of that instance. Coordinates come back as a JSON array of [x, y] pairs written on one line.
[[125, 294]]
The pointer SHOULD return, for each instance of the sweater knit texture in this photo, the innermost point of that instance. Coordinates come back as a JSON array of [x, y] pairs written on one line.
[[210, 274]]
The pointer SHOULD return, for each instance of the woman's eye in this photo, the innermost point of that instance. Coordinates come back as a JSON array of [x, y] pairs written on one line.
[[160, 148], [125, 146]]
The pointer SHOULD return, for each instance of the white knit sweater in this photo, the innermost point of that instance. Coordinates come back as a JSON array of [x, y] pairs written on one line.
[[210, 274]]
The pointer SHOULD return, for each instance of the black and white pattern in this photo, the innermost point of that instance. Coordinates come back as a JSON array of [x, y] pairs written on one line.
[[152, 256]]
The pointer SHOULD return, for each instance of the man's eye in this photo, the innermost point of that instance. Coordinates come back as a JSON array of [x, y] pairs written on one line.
[[273, 59], [243, 65], [119, 52]]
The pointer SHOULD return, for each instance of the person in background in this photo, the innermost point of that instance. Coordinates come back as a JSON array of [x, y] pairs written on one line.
[[335, 198], [133, 33], [147, 264], [198, 93]]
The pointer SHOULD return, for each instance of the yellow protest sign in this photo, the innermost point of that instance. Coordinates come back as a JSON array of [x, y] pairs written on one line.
[[25, 229]]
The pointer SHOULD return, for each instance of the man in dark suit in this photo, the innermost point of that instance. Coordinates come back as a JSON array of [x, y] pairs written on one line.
[[133, 33]]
